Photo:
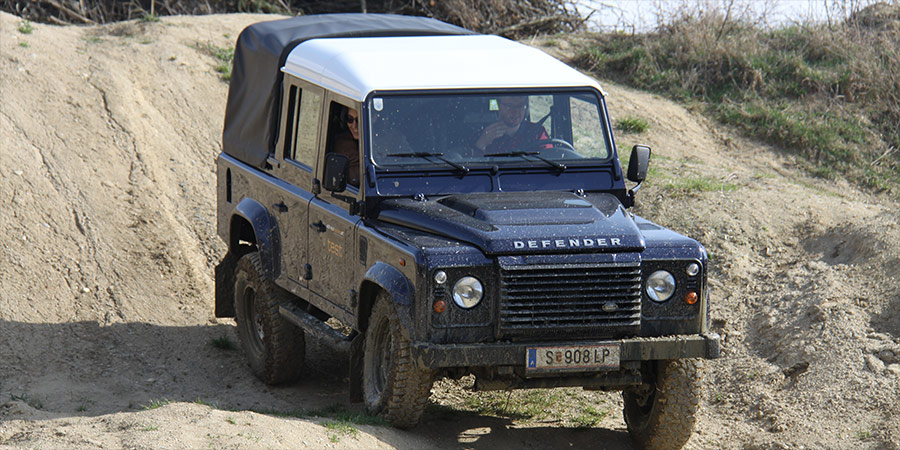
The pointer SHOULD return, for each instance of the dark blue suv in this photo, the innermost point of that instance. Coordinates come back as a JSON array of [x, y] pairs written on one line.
[[434, 202]]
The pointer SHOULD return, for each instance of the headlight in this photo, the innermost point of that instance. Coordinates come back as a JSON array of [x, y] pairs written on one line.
[[467, 292], [660, 286]]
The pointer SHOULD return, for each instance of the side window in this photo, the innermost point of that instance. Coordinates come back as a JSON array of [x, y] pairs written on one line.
[[304, 151], [290, 132], [540, 107], [587, 130], [343, 137]]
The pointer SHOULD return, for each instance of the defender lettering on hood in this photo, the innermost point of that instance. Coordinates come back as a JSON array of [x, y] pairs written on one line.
[[568, 243]]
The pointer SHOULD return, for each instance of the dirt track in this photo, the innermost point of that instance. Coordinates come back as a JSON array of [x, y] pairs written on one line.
[[107, 143]]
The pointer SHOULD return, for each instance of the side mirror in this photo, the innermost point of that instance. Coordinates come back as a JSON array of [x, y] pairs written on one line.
[[639, 163], [337, 171]]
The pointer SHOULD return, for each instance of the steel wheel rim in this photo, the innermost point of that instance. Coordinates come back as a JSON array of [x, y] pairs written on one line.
[[254, 325], [383, 357]]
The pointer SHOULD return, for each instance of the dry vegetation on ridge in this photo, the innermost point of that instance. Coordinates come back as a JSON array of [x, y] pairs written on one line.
[[107, 335], [510, 18]]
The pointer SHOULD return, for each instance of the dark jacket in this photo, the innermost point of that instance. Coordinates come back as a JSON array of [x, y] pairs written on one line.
[[345, 145], [528, 132]]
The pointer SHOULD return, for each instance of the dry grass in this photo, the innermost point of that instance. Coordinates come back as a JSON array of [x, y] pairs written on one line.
[[828, 93], [511, 18]]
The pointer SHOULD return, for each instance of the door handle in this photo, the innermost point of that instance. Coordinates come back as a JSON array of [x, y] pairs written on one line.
[[318, 226], [280, 206]]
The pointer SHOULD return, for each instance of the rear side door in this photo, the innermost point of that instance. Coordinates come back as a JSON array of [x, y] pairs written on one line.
[[295, 164]]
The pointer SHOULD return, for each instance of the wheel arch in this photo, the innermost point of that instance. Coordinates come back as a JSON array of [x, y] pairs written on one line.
[[382, 277], [251, 226]]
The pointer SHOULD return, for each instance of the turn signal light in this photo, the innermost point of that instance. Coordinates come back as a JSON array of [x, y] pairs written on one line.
[[440, 306], [690, 298]]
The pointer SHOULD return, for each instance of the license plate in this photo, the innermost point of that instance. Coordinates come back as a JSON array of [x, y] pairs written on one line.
[[576, 357]]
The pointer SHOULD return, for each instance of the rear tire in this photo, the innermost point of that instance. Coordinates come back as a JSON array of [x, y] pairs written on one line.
[[393, 385], [661, 413], [274, 347]]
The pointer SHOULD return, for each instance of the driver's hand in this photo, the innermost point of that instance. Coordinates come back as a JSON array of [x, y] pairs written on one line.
[[490, 134]]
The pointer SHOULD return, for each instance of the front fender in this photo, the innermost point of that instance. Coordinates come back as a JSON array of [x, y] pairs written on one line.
[[265, 232], [385, 277], [391, 280]]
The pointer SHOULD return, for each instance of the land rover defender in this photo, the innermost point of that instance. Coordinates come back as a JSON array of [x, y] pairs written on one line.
[[434, 202]]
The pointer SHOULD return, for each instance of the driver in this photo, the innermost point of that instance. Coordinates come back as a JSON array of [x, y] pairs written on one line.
[[347, 143], [512, 131]]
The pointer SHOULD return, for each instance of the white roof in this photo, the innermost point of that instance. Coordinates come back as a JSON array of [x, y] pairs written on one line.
[[357, 66]]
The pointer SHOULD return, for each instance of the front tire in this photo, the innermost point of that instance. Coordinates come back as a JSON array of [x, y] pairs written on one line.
[[393, 385], [274, 347], [661, 413]]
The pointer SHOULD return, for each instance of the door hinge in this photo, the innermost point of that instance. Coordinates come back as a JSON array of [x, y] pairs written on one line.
[[363, 249], [307, 274]]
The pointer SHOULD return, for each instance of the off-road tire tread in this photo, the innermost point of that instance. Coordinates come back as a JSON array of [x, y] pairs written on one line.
[[408, 386], [672, 418], [284, 344]]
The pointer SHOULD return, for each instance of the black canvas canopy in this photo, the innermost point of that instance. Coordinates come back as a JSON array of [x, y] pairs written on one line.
[[254, 96]]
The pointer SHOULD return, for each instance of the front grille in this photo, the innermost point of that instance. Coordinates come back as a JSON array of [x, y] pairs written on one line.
[[571, 300]]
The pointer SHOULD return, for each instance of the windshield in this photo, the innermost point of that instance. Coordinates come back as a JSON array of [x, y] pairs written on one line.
[[461, 131]]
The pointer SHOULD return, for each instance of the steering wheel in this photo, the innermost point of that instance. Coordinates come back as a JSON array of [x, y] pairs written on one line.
[[554, 143], [566, 149]]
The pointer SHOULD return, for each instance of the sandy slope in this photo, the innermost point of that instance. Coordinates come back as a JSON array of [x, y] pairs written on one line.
[[107, 141]]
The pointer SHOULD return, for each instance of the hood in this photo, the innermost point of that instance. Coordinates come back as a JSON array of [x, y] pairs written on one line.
[[522, 222]]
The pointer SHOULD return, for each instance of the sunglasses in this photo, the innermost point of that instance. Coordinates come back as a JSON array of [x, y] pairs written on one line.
[[352, 120]]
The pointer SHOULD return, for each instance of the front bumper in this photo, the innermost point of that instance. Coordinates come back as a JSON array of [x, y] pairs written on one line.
[[513, 354]]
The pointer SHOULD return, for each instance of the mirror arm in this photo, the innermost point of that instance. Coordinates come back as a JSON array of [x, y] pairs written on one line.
[[354, 205], [633, 190], [629, 197]]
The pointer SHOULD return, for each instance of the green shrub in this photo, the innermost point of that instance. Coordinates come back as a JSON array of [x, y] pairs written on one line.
[[223, 56], [222, 343], [149, 18], [25, 27], [631, 124]]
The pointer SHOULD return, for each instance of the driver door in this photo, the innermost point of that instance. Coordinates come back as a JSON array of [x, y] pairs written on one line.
[[332, 229]]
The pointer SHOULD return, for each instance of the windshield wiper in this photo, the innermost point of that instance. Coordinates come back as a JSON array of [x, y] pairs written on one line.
[[459, 167], [559, 166]]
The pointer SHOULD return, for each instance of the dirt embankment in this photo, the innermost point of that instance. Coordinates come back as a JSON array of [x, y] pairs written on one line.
[[108, 137]]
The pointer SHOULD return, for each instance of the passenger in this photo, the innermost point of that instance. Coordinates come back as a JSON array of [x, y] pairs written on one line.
[[347, 143], [512, 131]]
